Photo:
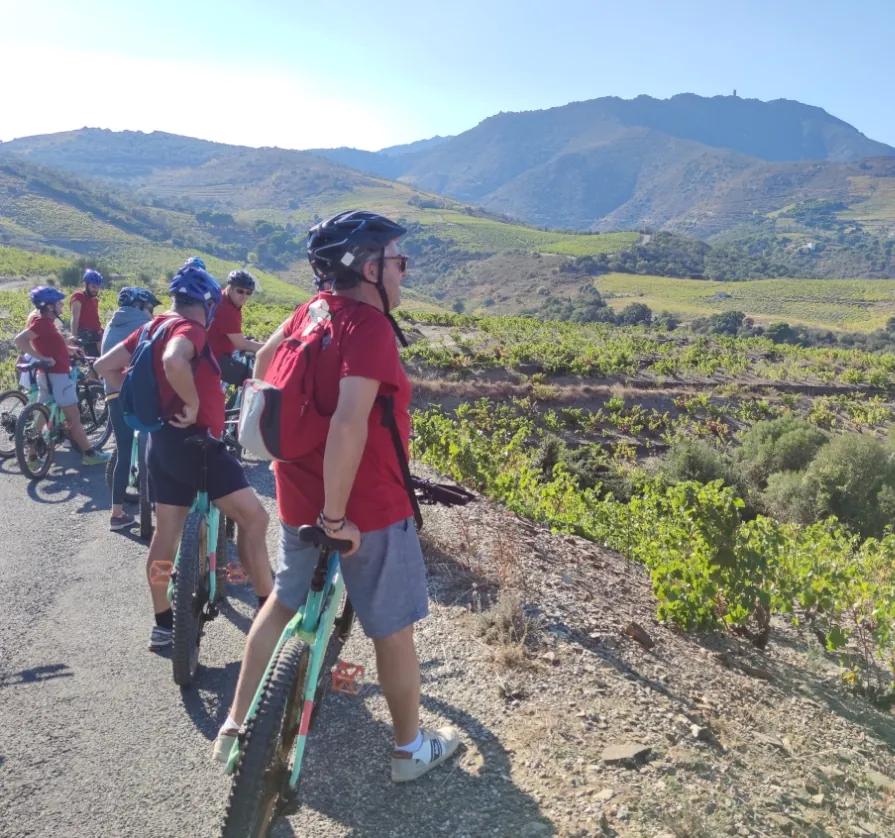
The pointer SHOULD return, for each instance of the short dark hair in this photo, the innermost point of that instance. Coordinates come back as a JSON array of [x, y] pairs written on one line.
[[186, 301]]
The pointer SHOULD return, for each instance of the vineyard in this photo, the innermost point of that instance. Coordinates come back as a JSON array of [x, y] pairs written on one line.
[[853, 304], [750, 479]]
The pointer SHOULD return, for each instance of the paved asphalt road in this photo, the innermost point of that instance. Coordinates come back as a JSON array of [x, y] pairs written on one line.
[[97, 741]]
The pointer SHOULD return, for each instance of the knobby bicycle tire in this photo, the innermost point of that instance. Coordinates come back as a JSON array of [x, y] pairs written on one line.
[[222, 555], [8, 421], [97, 423], [22, 427], [143, 487], [187, 604], [263, 771]]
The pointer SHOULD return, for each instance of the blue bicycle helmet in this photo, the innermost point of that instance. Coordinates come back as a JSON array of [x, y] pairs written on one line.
[[195, 262], [93, 277], [198, 285], [127, 297], [45, 295]]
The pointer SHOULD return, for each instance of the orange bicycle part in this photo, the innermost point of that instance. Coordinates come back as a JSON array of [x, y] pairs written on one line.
[[236, 574], [160, 574], [347, 678]]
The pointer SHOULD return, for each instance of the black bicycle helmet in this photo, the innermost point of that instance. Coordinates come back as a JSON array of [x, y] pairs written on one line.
[[242, 279], [339, 246]]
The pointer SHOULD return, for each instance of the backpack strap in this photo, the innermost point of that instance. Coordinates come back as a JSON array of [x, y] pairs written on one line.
[[388, 420]]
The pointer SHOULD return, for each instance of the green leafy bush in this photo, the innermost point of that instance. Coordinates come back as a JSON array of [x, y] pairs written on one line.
[[784, 444], [853, 478]]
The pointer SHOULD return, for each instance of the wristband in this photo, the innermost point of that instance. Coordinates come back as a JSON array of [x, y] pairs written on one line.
[[332, 520]]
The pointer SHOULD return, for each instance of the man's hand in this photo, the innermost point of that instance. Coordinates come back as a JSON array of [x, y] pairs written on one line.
[[186, 417], [351, 533]]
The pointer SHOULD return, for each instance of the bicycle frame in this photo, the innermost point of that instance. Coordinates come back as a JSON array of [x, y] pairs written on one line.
[[212, 517], [314, 624], [133, 472]]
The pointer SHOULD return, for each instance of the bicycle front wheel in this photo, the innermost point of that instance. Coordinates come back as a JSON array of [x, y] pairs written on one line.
[[35, 443], [190, 595], [12, 402], [94, 413], [262, 776]]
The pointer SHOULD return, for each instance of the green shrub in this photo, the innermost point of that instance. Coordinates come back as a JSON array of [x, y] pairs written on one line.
[[787, 498], [784, 444], [696, 459], [853, 478]]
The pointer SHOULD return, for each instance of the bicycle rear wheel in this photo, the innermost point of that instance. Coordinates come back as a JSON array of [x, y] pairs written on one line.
[[338, 638], [35, 443], [94, 413], [262, 775], [143, 484], [12, 402], [222, 556], [190, 595]]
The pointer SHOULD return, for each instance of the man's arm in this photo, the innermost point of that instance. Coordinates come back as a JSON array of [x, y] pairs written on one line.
[[243, 344], [345, 441], [111, 366], [75, 316], [265, 353], [23, 344]]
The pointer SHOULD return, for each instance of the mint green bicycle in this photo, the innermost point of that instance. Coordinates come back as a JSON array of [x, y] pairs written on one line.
[[196, 580], [137, 478], [266, 758]]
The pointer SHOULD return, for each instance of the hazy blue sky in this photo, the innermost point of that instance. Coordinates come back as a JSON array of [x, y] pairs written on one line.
[[347, 72]]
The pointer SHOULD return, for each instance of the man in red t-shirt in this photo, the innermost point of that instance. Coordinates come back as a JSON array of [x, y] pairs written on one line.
[[225, 332], [85, 325], [352, 486], [192, 400], [44, 342]]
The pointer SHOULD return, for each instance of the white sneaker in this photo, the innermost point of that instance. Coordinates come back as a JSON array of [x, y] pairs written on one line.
[[438, 747]]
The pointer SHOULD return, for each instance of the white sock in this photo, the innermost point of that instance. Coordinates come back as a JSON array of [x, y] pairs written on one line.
[[414, 746], [230, 725]]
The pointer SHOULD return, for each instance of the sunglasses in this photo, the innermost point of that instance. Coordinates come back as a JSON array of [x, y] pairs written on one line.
[[402, 265], [244, 292]]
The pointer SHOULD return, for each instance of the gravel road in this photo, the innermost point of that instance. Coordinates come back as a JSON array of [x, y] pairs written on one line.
[[98, 741]]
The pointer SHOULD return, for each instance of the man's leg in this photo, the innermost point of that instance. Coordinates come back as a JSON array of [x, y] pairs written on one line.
[[399, 676], [295, 564], [252, 519], [169, 521]]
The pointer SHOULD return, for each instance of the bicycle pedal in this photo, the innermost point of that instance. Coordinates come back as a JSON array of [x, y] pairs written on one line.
[[236, 574], [160, 573], [347, 678], [211, 611]]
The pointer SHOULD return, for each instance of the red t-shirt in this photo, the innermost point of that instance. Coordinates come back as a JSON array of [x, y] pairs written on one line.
[[227, 321], [206, 372], [48, 341], [365, 341], [89, 316]]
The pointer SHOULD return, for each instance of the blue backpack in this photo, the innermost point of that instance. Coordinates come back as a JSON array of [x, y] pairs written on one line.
[[139, 398]]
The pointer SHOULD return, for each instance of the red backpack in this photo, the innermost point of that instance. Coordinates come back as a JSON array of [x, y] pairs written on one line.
[[280, 418]]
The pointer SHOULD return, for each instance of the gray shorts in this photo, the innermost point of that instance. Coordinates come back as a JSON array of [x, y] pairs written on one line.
[[64, 390], [385, 578]]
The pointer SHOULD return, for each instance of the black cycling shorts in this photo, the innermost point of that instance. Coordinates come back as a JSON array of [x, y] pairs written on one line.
[[175, 468]]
